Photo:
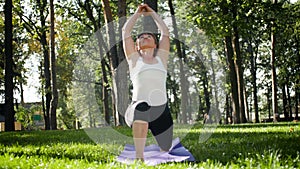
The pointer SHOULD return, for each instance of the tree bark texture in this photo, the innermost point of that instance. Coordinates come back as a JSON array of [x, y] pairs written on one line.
[[9, 72], [253, 71], [240, 75], [149, 24], [121, 74], [54, 99], [183, 78], [273, 70], [238, 65], [47, 74], [233, 80]]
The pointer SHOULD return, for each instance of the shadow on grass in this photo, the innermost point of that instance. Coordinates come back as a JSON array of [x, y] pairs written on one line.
[[254, 125], [39, 138], [226, 144]]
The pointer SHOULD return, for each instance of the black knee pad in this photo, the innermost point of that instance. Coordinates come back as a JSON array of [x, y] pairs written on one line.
[[141, 112], [142, 107]]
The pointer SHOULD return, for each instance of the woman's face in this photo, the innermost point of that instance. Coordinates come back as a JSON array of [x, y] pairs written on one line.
[[145, 41]]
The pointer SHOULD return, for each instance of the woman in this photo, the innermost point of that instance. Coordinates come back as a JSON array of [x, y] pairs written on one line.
[[147, 59]]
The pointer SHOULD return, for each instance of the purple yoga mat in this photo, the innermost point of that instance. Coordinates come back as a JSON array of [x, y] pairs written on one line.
[[153, 155]]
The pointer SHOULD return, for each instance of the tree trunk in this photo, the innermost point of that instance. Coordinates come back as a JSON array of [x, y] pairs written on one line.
[[54, 99], [90, 113], [290, 108], [183, 78], [274, 82], [269, 102], [285, 104], [105, 108], [46, 118], [47, 74], [297, 88], [22, 93], [122, 95], [9, 74], [189, 101], [254, 84], [228, 117], [187, 96], [247, 113], [105, 92], [214, 84], [238, 66], [175, 105], [297, 101], [111, 34], [205, 85], [149, 24], [273, 69], [183, 91], [102, 47], [113, 53], [232, 73], [200, 109], [233, 81]]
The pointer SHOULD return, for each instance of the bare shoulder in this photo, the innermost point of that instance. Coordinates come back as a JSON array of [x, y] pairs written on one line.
[[164, 48], [132, 58]]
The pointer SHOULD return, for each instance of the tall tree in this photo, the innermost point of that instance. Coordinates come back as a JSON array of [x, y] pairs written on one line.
[[253, 70], [183, 77], [111, 33], [121, 74], [273, 69], [214, 80], [252, 40], [232, 69], [54, 99], [35, 24], [45, 47], [9, 73], [93, 12], [112, 53], [238, 62], [233, 80], [216, 19]]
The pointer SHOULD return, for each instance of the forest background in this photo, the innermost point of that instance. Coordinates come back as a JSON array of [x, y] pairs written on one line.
[[234, 61]]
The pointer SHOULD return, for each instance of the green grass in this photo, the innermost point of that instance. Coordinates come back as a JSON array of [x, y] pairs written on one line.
[[229, 146]]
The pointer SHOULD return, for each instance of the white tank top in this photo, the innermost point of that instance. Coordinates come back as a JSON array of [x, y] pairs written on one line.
[[149, 82]]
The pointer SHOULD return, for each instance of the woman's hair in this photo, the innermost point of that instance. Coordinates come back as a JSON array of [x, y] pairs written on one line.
[[152, 34]]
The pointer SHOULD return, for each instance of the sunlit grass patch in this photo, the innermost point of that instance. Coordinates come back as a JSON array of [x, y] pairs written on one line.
[[228, 146]]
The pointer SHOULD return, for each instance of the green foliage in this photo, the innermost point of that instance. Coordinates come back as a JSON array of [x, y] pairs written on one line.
[[232, 146], [75, 25], [25, 117], [255, 20]]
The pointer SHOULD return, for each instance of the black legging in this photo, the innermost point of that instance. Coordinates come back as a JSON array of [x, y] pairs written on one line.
[[160, 122]]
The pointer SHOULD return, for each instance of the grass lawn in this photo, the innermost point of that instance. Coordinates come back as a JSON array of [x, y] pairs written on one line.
[[229, 146]]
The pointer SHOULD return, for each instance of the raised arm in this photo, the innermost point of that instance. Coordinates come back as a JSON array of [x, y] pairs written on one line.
[[164, 43], [128, 43]]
